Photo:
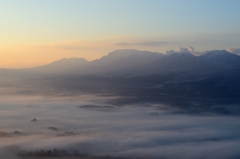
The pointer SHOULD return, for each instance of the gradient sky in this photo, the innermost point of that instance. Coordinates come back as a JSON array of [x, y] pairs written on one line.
[[35, 32]]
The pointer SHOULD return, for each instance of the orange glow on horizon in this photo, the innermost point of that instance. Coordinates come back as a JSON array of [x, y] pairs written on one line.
[[20, 56]]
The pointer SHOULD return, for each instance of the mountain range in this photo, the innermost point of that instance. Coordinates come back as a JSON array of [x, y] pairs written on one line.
[[141, 63], [137, 76]]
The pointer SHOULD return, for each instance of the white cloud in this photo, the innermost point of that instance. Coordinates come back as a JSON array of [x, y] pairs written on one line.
[[234, 50], [188, 49]]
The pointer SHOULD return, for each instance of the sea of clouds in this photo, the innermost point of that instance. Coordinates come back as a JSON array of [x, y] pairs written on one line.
[[85, 124]]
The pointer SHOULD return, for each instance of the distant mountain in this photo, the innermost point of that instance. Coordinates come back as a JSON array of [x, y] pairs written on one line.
[[61, 66], [210, 64], [130, 62], [116, 62], [221, 57], [172, 63], [141, 76]]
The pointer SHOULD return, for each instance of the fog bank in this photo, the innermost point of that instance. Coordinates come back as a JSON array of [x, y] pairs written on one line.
[[86, 125]]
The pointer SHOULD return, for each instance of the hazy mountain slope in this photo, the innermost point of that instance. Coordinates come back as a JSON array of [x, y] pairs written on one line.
[[61, 66], [141, 63], [117, 61], [221, 58], [213, 63], [168, 64]]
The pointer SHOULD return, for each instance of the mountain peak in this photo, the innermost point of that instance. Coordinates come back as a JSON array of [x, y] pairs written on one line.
[[221, 56], [214, 53], [61, 65], [127, 53], [218, 52]]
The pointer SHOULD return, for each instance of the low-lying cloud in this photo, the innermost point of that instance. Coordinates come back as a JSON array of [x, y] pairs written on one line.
[[191, 50], [188, 49], [234, 50], [129, 131]]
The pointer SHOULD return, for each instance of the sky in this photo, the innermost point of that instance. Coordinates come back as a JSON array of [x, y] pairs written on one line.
[[34, 32]]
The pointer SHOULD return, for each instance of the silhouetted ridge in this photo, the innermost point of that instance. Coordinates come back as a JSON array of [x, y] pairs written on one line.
[[221, 56], [59, 66], [121, 62], [130, 62], [126, 53], [170, 63], [73, 61]]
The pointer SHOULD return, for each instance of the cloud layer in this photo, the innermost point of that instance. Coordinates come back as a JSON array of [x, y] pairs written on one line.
[[188, 49], [130, 131]]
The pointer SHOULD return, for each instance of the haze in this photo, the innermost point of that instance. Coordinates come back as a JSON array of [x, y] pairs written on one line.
[[67, 125]]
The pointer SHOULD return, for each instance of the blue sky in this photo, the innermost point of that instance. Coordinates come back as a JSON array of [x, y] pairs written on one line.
[[32, 26]]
